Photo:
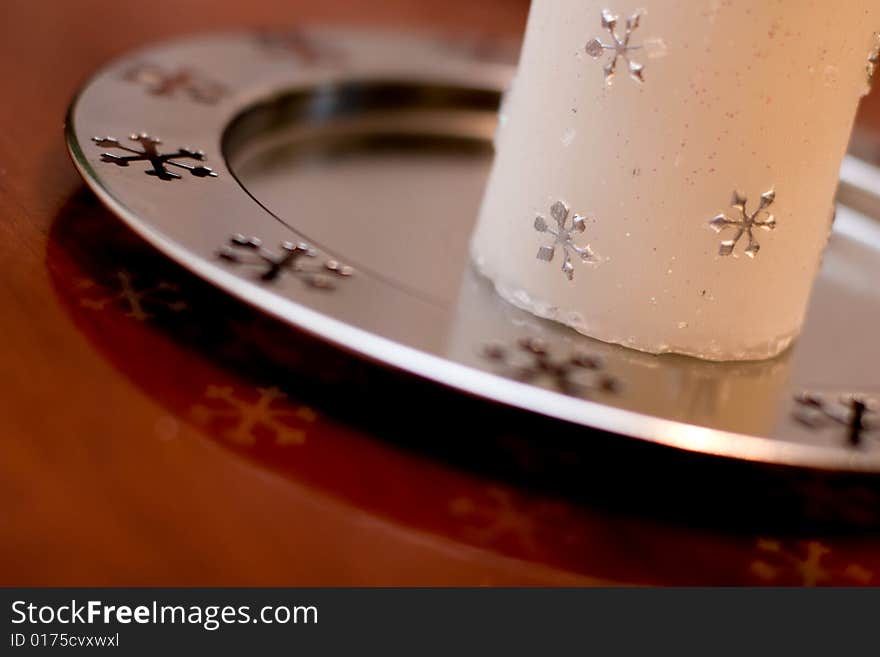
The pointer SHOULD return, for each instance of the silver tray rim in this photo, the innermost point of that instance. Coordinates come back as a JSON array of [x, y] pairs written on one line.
[[299, 313]]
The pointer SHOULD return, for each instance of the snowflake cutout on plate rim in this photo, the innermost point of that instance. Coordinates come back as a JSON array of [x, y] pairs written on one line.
[[746, 223], [859, 414], [578, 374], [160, 81], [310, 49], [150, 153], [245, 250], [564, 238], [619, 46]]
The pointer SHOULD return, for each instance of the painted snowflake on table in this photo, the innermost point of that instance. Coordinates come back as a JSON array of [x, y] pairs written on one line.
[[620, 46], [241, 421], [806, 563], [564, 238], [500, 517], [150, 153], [138, 300], [245, 250], [745, 223]]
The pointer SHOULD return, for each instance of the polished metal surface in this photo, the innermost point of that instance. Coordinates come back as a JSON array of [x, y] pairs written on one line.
[[372, 150]]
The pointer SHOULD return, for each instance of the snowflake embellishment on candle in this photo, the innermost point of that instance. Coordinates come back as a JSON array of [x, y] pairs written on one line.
[[619, 46], [874, 60], [564, 238], [746, 223]]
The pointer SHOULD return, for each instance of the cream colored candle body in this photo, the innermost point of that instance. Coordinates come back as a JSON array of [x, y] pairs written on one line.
[[665, 179]]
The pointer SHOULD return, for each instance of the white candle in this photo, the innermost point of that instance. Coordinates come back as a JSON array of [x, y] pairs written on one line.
[[686, 154]]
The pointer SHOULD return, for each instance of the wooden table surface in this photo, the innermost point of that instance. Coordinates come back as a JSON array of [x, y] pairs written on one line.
[[154, 432]]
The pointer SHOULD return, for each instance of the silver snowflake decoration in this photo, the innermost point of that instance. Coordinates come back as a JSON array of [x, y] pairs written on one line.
[[150, 153], [291, 258], [563, 238], [745, 223], [859, 414], [619, 47]]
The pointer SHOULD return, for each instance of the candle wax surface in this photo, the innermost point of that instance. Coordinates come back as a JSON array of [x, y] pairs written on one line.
[[692, 191]]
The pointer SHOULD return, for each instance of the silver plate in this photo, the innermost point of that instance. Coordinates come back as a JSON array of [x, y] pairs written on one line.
[[373, 148]]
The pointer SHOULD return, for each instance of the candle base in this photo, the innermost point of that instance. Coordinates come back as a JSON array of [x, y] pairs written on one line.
[[708, 350]]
